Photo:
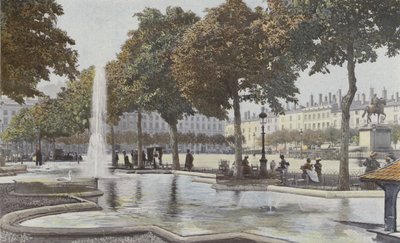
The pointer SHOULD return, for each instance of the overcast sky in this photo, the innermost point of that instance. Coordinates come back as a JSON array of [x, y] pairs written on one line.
[[100, 27]]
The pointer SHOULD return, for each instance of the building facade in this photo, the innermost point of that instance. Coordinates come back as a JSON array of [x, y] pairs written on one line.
[[317, 114], [153, 123]]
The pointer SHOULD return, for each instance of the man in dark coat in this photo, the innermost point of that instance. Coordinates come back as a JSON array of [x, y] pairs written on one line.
[[371, 163], [189, 161]]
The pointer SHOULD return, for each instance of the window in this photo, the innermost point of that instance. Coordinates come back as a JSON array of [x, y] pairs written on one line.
[[290, 118], [13, 113], [203, 126], [319, 115], [5, 112], [268, 128], [5, 121], [197, 126], [357, 121], [323, 115], [219, 127], [156, 125], [313, 116]]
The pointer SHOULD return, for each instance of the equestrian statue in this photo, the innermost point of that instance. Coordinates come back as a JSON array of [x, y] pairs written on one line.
[[376, 107]]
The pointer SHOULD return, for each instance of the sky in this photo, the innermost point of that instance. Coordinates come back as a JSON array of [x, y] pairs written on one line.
[[100, 27]]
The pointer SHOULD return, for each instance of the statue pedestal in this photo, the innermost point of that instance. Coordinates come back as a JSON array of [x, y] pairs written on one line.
[[376, 137]]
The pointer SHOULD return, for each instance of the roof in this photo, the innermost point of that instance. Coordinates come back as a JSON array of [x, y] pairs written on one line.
[[389, 173]]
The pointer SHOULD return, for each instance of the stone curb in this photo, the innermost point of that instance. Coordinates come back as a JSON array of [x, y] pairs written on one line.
[[198, 174], [326, 194], [204, 180], [300, 191], [95, 193]]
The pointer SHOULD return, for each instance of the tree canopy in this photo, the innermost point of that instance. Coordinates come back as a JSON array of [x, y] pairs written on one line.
[[32, 47], [236, 54], [349, 32]]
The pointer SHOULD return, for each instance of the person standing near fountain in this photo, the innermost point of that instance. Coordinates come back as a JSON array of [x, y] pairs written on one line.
[[116, 158], [318, 168], [38, 156], [371, 163], [189, 161]]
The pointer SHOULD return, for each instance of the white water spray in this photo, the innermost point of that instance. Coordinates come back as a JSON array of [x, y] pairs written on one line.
[[97, 157]]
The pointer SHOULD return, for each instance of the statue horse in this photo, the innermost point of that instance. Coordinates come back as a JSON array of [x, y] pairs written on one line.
[[377, 109]]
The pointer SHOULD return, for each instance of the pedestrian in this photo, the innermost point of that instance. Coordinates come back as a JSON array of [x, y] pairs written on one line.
[[318, 168], [160, 154], [116, 158], [388, 160], [144, 159], [246, 165], [189, 160], [371, 163], [126, 159], [305, 167], [38, 156], [272, 165], [135, 158], [283, 168]]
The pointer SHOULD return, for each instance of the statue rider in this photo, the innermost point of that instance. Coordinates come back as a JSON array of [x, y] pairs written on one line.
[[374, 100]]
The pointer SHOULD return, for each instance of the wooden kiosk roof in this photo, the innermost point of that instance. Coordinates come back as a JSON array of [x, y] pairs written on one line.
[[389, 173]]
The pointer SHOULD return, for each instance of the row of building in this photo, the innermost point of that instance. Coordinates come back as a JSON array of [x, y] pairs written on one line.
[[317, 114]]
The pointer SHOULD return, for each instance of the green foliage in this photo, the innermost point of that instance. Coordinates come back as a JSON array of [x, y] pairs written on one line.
[[32, 47], [233, 42], [149, 67], [21, 128], [395, 133]]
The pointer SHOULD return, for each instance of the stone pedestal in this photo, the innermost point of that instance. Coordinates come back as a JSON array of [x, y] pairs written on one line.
[[376, 138]]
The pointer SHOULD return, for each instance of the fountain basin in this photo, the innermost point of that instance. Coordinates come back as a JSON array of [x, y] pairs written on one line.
[[50, 186]]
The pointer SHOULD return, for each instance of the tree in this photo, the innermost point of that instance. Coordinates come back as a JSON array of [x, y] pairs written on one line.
[[147, 55], [236, 54], [349, 32], [395, 134], [32, 47]]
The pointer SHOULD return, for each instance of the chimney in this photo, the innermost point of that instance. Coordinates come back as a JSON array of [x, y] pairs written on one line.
[[307, 104], [262, 109], [392, 97], [320, 99], [330, 98], [384, 94], [334, 99], [340, 98], [397, 97], [371, 93], [326, 99], [311, 100]]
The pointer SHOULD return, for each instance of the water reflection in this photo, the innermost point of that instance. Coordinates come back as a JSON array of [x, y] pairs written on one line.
[[112, 194], [173, 205], [138, 194]]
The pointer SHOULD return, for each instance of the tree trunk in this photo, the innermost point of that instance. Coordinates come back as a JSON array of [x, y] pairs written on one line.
[[140, 137], [238, 135], [344, 182], [113, 161], [173, 133]]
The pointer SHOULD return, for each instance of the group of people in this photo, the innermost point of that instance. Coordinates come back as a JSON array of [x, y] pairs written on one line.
[[134, 158], [308, 168], [371, 163]]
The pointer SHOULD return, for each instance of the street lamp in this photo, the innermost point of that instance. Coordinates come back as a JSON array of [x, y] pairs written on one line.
[[263, 160], [301, 146], [254, 144]]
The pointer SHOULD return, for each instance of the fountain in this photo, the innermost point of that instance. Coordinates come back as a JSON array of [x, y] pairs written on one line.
[[97, 144]]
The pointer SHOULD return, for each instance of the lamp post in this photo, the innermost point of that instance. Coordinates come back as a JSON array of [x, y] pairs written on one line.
[[254, 144], [263, 160], [301, 145]]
